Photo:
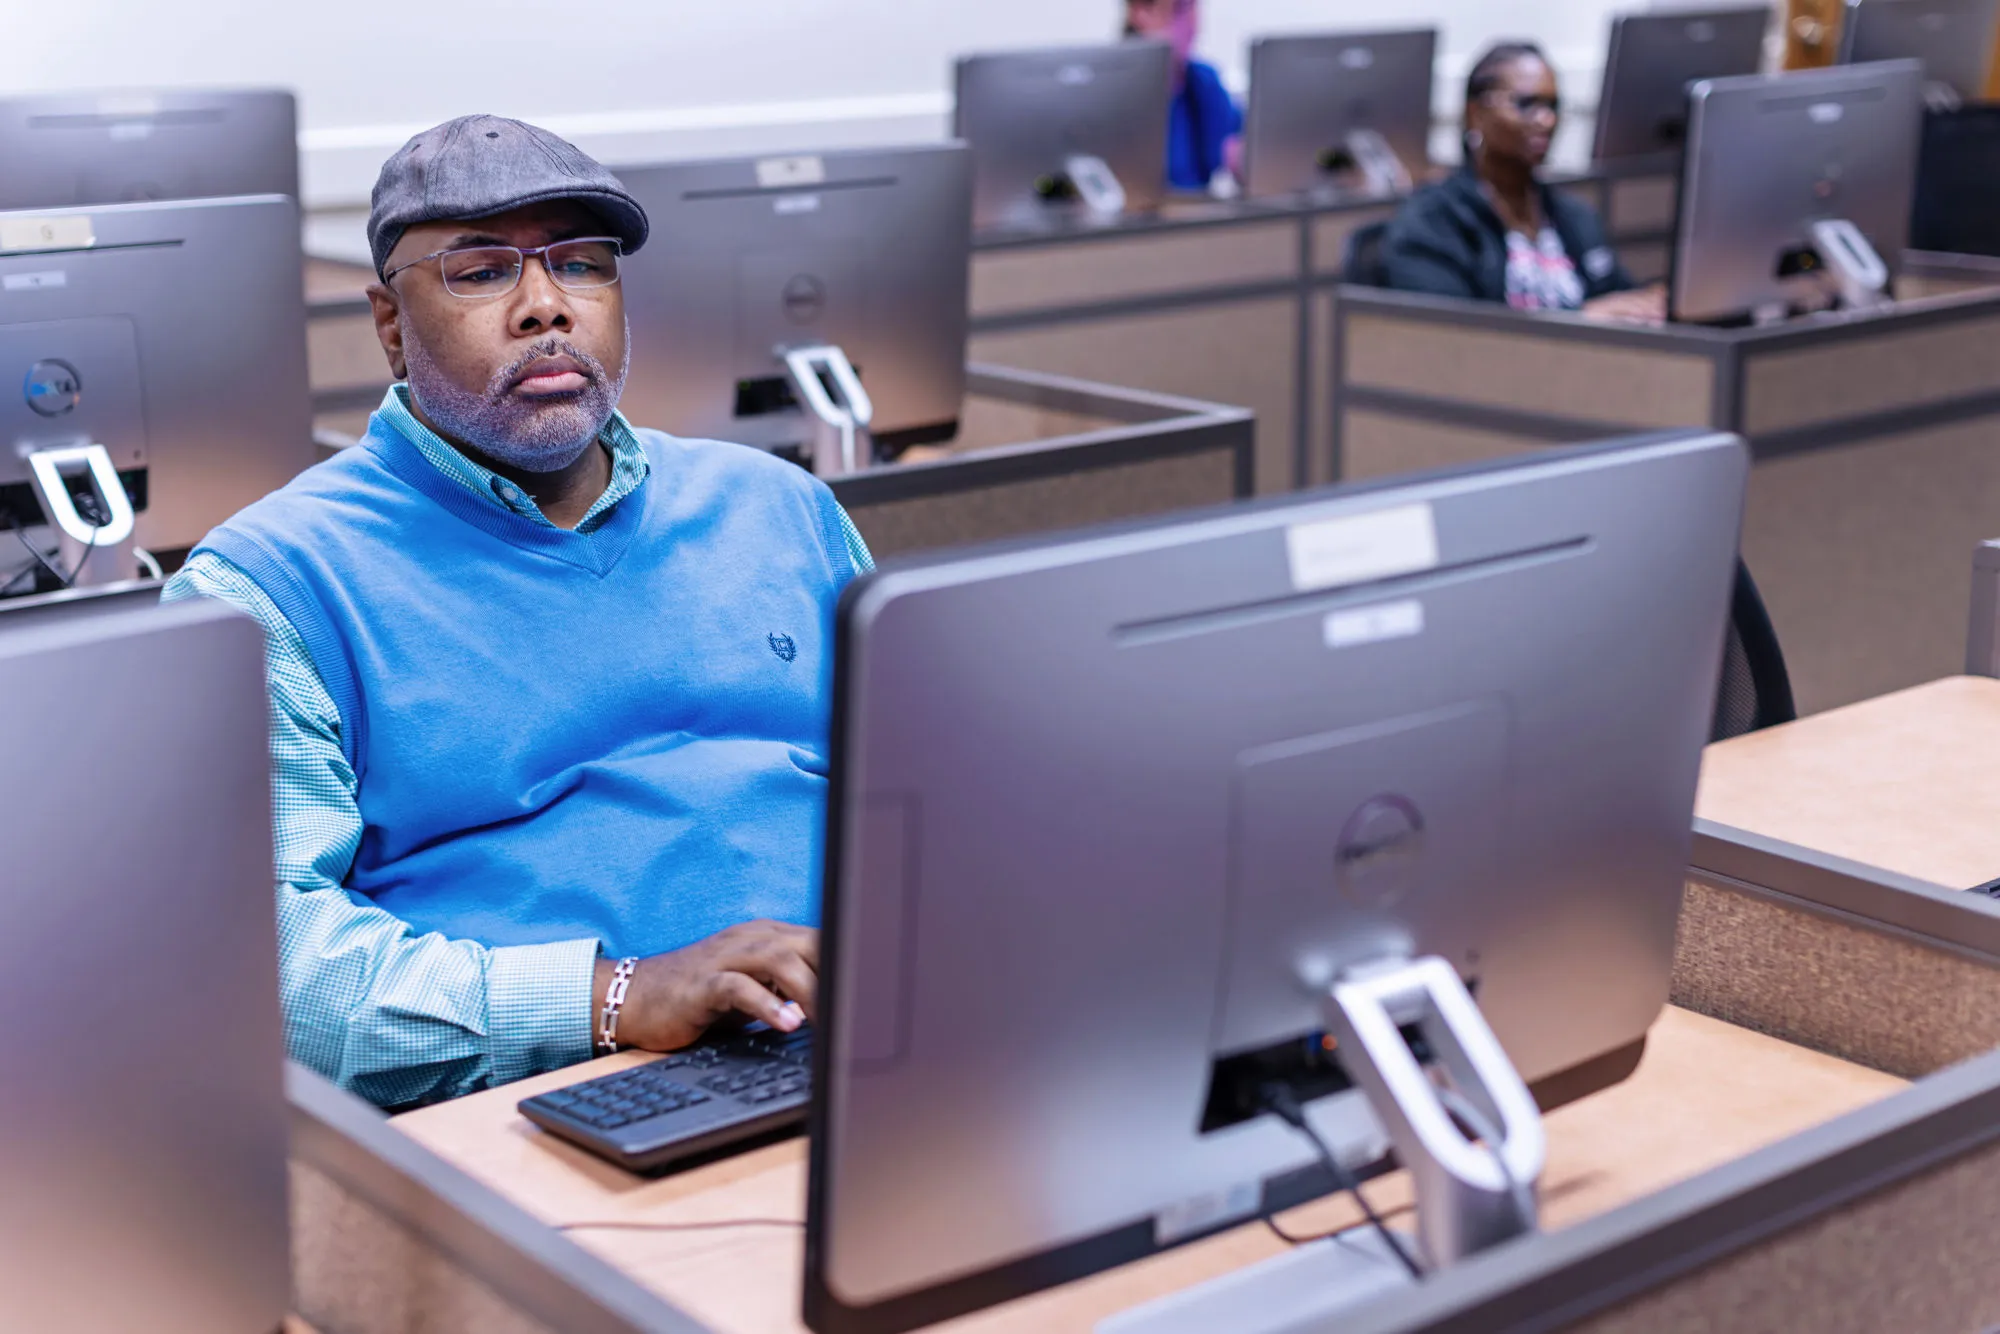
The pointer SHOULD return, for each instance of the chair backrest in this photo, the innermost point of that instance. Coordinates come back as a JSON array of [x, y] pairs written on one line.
[[1363, 264], [1756, 689]]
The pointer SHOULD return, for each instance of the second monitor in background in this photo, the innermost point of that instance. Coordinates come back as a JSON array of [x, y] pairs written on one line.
[[1339, 109], [64, 149], [1953, 39], [1795, 192], [1653, 57], [1071, 132], [769, 278]]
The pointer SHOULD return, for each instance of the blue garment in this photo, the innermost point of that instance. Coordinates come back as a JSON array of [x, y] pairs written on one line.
[[1201, 120], [667, 773]]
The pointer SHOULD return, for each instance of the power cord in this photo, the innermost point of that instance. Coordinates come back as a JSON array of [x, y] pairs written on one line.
[[1284, 1104], [715, 1226], [88, 510]]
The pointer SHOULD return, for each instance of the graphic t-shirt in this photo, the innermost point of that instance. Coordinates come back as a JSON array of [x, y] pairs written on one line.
[[1540, 275]]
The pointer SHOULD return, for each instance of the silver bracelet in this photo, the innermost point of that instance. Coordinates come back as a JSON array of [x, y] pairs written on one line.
[[614, 1001]]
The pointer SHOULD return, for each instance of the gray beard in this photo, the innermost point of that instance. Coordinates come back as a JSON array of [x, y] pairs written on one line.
[[530, 435]]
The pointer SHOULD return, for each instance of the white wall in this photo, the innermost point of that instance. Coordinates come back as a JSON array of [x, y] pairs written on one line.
[[637, 79]]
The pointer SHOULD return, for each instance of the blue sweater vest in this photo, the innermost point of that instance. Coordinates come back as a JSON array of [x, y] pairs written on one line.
[[558, 736]]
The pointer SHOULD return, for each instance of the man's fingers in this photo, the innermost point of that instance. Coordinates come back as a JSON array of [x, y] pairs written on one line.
[[746, 995], [797, 980]]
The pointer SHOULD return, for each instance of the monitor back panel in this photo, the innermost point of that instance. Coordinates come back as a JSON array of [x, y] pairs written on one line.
[[63, 149], [1770, 155], [143, 1124], [1026, 113], [1643, 107], [1307, 94], [1954, 38], [865, 249], [1106, 808], [175, 335]]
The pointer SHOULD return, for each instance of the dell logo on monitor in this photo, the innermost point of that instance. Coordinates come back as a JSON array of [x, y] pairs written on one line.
[[1357, 57], [1825, 113], [53, 388], [1075, 76]]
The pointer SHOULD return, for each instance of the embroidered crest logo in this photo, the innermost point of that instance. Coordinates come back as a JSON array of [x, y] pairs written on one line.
[[783, 646]]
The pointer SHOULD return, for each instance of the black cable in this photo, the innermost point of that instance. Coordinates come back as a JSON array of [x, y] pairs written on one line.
[[96, 519], [14, 522], [1283, 1103], [715, 1226]]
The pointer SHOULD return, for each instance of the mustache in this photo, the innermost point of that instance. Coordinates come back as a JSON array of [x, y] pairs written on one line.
[[505, 378]]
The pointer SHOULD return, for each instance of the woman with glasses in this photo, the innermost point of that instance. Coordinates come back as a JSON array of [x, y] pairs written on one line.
[[1493, 231], [1204, 126]]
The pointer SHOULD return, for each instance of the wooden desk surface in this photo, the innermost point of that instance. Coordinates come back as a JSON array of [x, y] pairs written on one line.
[[1706, 1094], [1905, 782]]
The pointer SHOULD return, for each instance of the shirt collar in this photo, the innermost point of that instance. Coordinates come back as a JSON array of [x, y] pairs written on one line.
[[629, 464]]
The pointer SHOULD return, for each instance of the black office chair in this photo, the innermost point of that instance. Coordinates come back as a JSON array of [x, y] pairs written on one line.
[[1362, 266], [1756, 689]]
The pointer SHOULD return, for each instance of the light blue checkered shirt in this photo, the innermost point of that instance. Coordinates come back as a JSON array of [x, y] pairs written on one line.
[[392, 1015]]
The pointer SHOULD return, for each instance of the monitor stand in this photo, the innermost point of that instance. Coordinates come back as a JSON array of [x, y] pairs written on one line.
[[1855, 272], [1095, 185], [838, 409], [1469, 1197], [1367, 154], [99, 552]]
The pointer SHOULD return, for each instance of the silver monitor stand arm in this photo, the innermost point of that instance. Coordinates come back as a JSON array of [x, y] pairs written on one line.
[[1382, 171], [100, 553], [1853, 269], [1096, 185], [839, 418], [1469, 1197]]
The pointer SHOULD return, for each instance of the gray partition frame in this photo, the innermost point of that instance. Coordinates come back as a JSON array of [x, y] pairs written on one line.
[[1982, 643], [1153, 427]]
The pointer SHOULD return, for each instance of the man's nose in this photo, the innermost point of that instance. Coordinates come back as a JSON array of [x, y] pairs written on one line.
[[540, 302]]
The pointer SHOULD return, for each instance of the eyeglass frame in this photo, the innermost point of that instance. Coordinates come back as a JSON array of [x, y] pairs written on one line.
[[526, 253], [1522, 104]]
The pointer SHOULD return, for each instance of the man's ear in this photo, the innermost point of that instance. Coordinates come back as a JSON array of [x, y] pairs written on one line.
[[385, 307]]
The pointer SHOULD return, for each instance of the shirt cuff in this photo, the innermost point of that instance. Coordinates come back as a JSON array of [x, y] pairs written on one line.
[[538, 1007]]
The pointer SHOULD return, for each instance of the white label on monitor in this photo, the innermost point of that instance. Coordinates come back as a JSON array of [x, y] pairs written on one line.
[[1374, 625], [39, 281], [1357, 57], [1825, 113], [72, 232], [788, 205], [128, 131], [775, 173], [1204, 1213], [1357, 548]]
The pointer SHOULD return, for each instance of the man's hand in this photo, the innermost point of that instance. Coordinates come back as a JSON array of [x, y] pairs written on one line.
[[765, 970]]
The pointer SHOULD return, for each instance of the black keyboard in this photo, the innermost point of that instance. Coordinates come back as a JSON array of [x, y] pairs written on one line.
[[687, 1104]]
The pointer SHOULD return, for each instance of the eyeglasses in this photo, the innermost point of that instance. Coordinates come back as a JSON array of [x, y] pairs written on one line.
[[474, 272], [1527, 104]]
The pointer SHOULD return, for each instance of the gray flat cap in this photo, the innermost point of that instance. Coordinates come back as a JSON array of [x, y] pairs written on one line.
[[476, 166]]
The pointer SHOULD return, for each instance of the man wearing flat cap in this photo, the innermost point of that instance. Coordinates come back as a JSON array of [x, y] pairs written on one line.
[[549, 692]]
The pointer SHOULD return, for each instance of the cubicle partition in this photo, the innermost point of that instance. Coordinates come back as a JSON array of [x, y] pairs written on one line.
[[1874, 436]]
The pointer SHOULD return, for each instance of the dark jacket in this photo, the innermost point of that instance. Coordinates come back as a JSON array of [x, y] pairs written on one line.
[[1447, 240]]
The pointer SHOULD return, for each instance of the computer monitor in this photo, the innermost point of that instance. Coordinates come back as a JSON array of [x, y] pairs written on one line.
[[1953, 38], [1065, 133], [173, 335], [1653, 57], [64, 149], [1338, 109], [143, 1128], [1958, 182], [1110, 814], [865, 250], [1785, 177]]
